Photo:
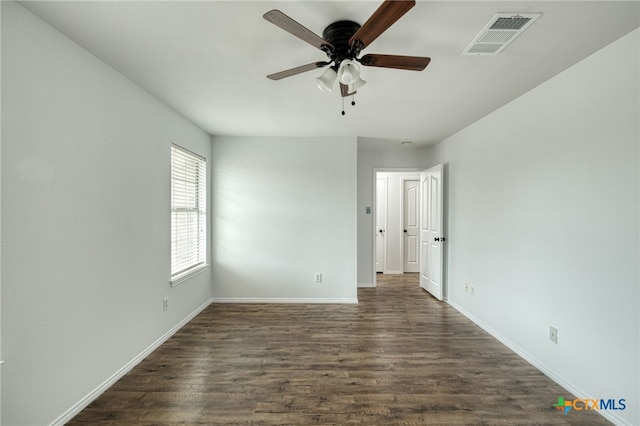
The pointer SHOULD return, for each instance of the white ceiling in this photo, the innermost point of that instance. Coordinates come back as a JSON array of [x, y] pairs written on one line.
[[208, 61]]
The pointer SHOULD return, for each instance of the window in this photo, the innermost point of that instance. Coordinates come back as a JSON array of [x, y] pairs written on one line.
[[188, 213]]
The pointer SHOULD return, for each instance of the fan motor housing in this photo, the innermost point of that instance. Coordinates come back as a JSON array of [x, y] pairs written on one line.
[[338, 34]]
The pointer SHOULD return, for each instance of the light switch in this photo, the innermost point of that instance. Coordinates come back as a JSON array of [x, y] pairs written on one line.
[[368, 210]]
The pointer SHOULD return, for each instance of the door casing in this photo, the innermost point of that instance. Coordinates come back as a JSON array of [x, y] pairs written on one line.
[[374, 183]]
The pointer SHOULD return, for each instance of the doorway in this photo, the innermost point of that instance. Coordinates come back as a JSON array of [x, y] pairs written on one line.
[[397, 213], [409, 225]]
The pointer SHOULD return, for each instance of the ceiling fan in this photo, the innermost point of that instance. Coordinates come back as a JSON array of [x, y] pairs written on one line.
[[343, 41]]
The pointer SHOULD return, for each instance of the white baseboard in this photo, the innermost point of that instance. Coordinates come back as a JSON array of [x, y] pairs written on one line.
[[366, 285], [393, 272], [612, 417], [282, 300], [93, 395]]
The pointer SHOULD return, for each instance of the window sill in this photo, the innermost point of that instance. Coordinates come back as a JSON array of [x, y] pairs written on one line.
[[179, 279]]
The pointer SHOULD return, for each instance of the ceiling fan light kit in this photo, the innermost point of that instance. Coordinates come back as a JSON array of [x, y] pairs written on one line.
[[342, 42]]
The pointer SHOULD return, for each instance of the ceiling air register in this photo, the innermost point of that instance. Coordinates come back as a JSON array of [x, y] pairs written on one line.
[[503, 29]]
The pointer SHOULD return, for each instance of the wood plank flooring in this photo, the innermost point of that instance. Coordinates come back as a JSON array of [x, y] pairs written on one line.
[[398, 357]]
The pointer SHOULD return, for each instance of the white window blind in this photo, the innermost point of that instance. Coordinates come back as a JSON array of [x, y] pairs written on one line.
[[188, 211]]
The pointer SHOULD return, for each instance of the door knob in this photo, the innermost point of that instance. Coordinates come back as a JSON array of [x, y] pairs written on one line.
[[405, 230], [380, 231], [436, 239]]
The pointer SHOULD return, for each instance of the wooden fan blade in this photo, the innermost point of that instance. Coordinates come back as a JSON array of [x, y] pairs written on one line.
[[291, 26], [413, 63], [388, 13], [344, 90], [297, 70]]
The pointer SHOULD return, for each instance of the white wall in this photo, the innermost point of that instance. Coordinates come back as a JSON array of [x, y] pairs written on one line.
[[544, 222], [85, 221], [372, 156], [284, 209]]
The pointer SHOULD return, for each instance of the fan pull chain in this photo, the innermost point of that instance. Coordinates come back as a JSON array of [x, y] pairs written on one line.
[[353, 103]]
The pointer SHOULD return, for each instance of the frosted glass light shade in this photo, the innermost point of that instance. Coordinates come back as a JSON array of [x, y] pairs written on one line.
[[349, 72], [358, 84], [327, 79]]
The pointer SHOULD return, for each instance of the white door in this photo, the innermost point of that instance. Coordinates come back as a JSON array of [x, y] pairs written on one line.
[[381, 220], [431, 233], [410, 225]]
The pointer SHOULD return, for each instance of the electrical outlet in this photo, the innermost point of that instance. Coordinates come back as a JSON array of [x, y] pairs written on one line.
[[553, 334], [318, 277], [165, 304], [466, 287]]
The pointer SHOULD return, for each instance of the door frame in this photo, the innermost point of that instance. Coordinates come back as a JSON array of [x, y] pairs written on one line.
[[381, 225], [377, 170]]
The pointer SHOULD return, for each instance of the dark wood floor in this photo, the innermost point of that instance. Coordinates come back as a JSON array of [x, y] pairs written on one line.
[[398, 357]]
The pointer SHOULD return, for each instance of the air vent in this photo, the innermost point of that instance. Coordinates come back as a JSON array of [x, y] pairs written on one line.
[[499, 33]]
